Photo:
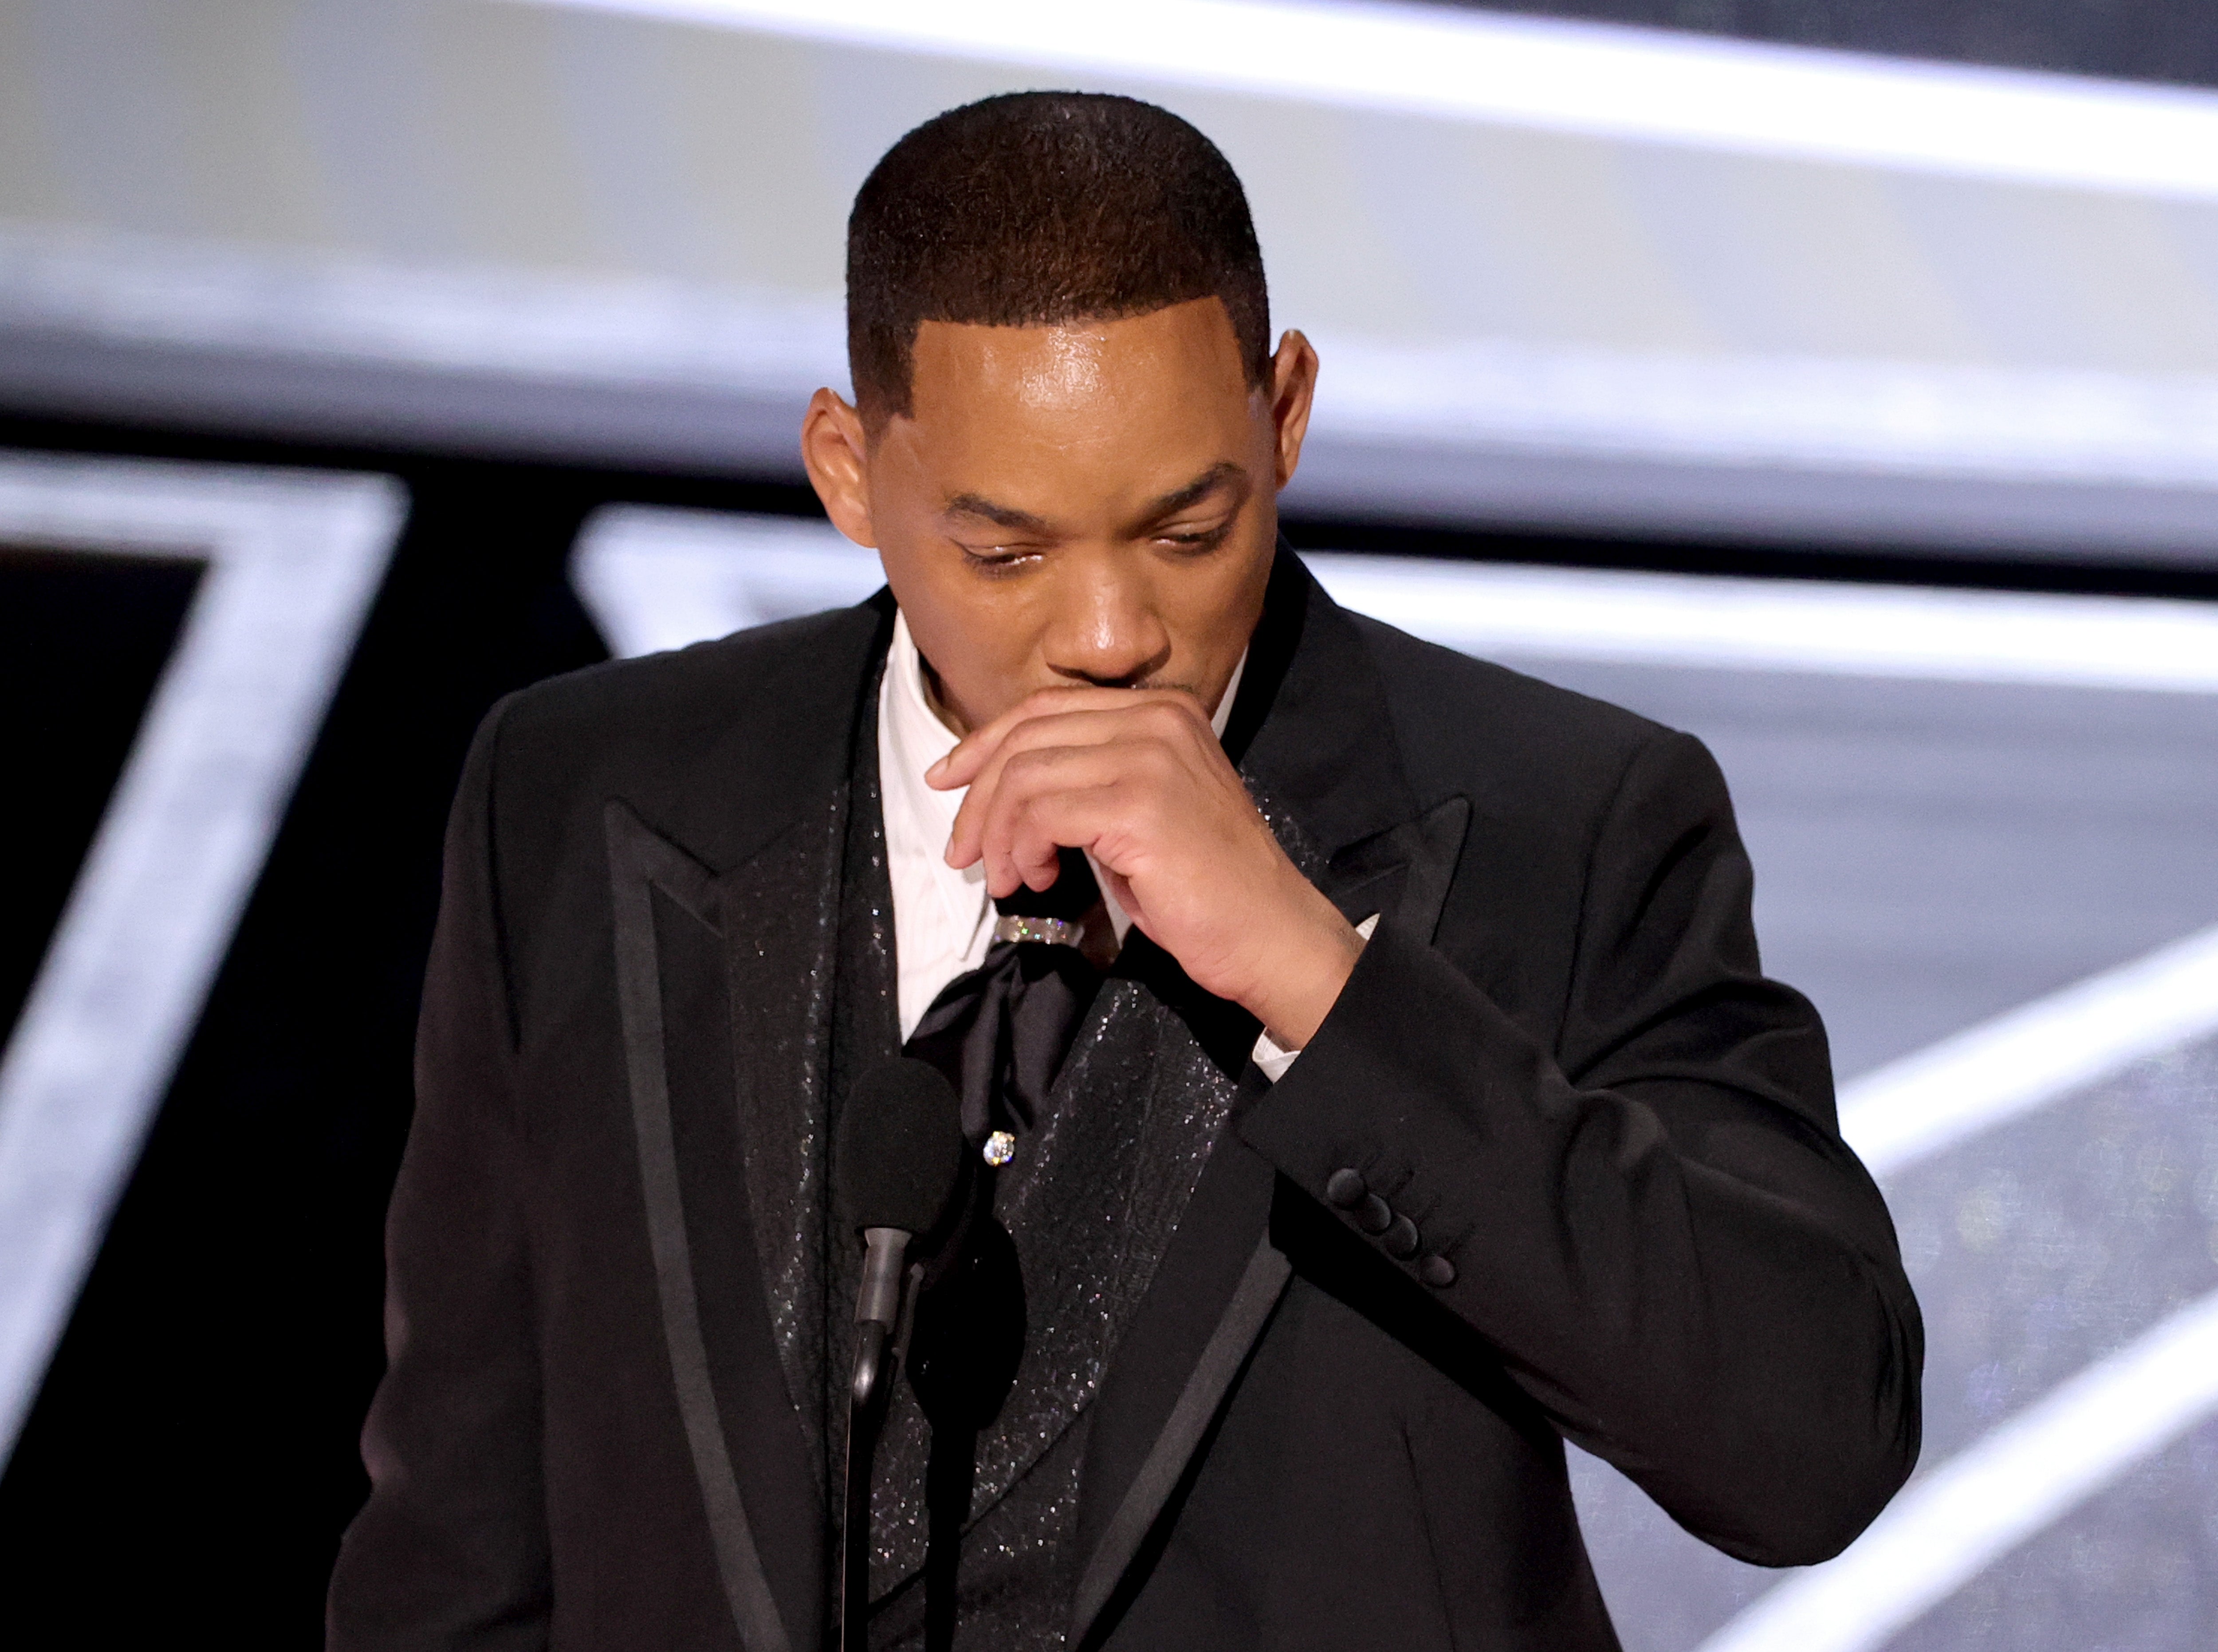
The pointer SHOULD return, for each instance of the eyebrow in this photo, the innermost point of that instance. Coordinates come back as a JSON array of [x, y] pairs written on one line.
[[1001, 515], [1218, 476]]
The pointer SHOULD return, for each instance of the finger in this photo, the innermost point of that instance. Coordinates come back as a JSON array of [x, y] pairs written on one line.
[[973, 749], [1042, 827], [1068, 731], [1033, 856], [1016, 842], [981, 770], [1094, 798], [961, 766], [1161, 720], [1020, 828]]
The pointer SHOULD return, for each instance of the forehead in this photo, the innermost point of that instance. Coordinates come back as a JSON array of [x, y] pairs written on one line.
[[1150, 393]]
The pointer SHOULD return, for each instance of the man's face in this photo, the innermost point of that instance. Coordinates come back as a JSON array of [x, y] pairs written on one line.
[[1093, 503]]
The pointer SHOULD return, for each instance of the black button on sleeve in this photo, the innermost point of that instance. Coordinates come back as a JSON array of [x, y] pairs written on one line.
[[1344, 1190], [1437, 1271], [1374, 1216], [1401, 1237]]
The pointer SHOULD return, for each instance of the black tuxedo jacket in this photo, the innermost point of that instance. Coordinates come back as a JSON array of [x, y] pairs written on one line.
[[1561, 1163]]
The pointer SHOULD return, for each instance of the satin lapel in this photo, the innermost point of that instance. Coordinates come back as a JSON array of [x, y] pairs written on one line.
[[1212, 1297], [781, 912], [1402, 873], [1219, 1282], [725, 950], [671, 927]]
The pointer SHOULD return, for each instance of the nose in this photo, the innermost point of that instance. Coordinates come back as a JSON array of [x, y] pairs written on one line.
[[1105, 630]]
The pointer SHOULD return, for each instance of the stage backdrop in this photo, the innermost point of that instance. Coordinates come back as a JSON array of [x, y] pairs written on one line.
[[1982, 819], [363, 359]]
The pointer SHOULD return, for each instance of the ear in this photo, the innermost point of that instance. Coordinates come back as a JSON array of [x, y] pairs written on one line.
[[836, 453], [1293, 388]]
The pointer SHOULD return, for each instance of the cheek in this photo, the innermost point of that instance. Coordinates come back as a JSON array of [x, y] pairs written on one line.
[[978, 636], [1212, 610]]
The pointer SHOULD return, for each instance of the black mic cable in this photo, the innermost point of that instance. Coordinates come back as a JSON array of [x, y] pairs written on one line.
[[899, 1162]]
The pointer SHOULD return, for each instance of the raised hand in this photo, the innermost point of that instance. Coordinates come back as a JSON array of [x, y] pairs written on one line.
[[1136, 778]]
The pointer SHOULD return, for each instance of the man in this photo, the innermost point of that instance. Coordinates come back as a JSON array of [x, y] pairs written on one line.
[[1425, 1104]]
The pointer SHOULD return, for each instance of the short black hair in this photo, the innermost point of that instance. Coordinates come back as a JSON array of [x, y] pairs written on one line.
[[1034, 209]]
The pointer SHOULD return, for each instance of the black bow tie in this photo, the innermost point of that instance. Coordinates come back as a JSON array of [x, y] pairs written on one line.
[[1000, 1031]]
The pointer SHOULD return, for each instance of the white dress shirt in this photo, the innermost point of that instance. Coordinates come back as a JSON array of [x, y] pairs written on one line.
[[943, 917]]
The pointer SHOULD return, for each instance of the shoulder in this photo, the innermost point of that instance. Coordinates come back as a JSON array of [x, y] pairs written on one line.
[[669, 698], [697, 737], [1468, 726]]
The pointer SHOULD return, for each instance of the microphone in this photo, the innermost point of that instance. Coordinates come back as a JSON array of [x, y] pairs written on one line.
[[899, 1159]]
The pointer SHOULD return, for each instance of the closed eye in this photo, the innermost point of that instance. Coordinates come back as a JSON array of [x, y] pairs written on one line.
[[1195, 542], [997, 559]]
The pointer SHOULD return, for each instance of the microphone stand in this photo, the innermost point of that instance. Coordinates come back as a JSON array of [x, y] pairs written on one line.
[[879, 1310]]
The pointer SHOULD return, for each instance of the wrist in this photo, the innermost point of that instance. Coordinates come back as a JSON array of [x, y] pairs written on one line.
[[1303, 971]]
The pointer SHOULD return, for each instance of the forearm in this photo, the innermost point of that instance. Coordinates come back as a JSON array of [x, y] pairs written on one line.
[[1728, 1325]]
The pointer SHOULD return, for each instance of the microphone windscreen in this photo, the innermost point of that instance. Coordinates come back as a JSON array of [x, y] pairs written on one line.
[[898, 1160]]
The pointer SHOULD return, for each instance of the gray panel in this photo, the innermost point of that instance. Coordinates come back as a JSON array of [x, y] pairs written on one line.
[[2035, 1250], [650, 425], [2136, 1571], [756, 432], [1478, 485], [1931, 854], [1521, 325]]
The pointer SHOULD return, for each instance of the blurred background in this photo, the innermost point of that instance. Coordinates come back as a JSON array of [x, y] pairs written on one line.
[[1836, 379]]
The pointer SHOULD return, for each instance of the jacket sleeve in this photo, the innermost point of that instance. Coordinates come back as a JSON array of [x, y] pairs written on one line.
[[451, 1549], [1654, 1224]]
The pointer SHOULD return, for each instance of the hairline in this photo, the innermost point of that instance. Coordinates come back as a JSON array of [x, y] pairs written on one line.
[[877, 410]]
